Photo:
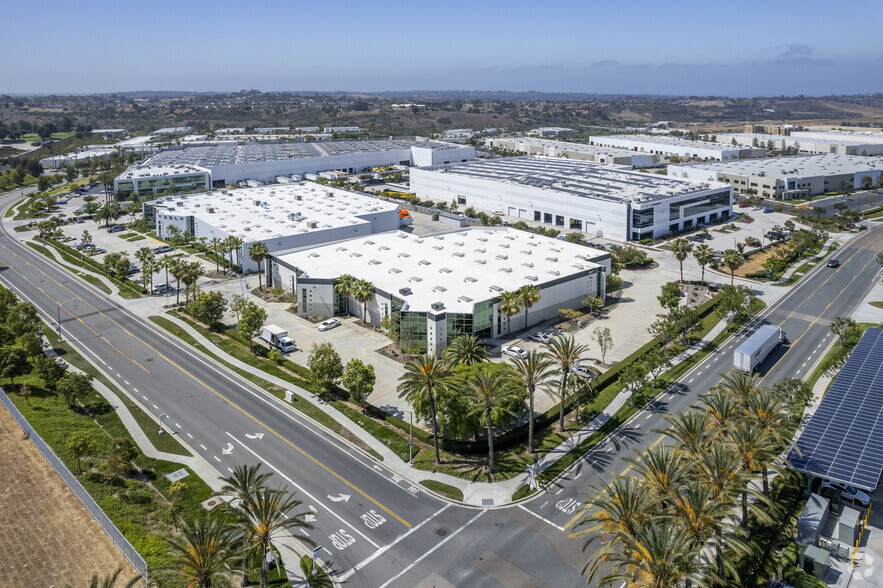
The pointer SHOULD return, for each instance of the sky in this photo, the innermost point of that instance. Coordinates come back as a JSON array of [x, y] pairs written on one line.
[[746, 48]]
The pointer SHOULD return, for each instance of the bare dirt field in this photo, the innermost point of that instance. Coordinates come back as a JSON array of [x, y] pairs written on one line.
[[47, 537]]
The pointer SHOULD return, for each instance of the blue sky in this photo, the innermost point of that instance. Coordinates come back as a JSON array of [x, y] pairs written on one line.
[[743, 48]]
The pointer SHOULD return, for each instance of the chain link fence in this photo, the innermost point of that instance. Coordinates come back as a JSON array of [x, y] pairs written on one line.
[[99, 515]]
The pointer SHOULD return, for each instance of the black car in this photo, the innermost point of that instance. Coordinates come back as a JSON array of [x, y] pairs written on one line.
[[834, 263], [116, 229]]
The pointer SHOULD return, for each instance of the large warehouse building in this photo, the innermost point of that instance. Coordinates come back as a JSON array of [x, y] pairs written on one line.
[[441, 286], [787, 178], [229, 163], [593, 198], [667, 146], [810, 142], [283, 217], [578, 151]]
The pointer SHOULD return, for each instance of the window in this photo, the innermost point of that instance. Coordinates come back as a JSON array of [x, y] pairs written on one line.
[[576, 224], [641, 219], [461, 200], [537, 215], [547, 218], [559, 221]]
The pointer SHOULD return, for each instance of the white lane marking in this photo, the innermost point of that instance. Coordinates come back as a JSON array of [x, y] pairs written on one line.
[[638, 426], [119, 376], [576, 477], [544, 519], [127, 382], [670, 396], [144, 397], [189, 435], [203, 446], [691, 380], [229, 470], [804, 364], [560, 491], [155, 406], [699, 374], [648, 416], [385, 548], [544, 504], [431, 551], [216, 458], [135, 389], [797, 372], [608, 450], [177, 425], [304, 492], [717, 358]]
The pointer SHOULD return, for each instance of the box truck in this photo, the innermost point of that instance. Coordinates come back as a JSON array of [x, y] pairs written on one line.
[[757, 347], [277, 337]]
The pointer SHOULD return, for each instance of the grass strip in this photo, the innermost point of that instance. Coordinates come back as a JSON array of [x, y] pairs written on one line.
[[386, 435], [126, 289], [87, 277], [447, 490]]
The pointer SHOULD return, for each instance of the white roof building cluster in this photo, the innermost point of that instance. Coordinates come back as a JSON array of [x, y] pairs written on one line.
[[668, 146]]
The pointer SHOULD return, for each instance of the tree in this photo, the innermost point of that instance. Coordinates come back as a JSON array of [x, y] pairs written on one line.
[[844, 327], [363, 292], [792, 392], [205, 552], [215, 247], [237, 304], [73, 386], [532, 372], [704, 255], [144, 255], [733, 260], [192, 273], [494, 398], [605, 341], [613, 283], [465, 350], [681, 248], [13, 362], [258, 252], [324, 362], [529, 295], [80, 444], [734, 302], [594, 305], [657, 361], [567, 354], [670, 297], [49, 369], [633, 378], [358, 378], [108, 212], [630, 257], [242, 482], [43, 183], [343, 287], [166, 263], [424, 379], [231, 245], [253, 318], [148, 269], [510, 304], [208, 307]]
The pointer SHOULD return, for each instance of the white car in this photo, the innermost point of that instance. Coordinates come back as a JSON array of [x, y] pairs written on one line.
[[513, 351], [329, 324], [160, 288], [583, 372], [847, 492], [540, 337]]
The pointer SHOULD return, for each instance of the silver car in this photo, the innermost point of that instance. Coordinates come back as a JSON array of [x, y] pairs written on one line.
[[329, 324], [513, 351]]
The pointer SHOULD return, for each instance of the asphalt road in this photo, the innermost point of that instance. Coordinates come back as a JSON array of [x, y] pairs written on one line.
[[379, 530]]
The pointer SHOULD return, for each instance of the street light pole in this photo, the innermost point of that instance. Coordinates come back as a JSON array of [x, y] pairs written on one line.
[[410, 437]]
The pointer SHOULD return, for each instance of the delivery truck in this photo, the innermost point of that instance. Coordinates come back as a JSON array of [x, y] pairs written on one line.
[[405, 218], [757, 347], [277, 337]]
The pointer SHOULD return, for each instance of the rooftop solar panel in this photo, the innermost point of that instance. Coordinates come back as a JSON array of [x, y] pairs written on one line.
[[842, 440]]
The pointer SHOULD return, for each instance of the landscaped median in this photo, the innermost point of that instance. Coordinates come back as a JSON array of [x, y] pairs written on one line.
[[126, 288]]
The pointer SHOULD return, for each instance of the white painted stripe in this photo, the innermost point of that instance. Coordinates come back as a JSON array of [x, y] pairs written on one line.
[[155, 406], [127, 382], [135, 389], [608, 450], [576, 477], [203, 446], [560, 491], [691, 380], [189, 435], [177, 425], [638, 426], [386, 548], [544, 504], [229, 470], [431, 551], [216, 458], [544, 519], [648, 416], [144, 397]]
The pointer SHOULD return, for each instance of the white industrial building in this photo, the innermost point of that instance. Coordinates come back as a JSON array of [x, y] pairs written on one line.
[[596, 199], [283, 217], [787, 178], [445, 285], [110, 132], [230, 162], [810, 142], [146, 182], [578, 151], [166, 131], [550, 132], [667, 146]]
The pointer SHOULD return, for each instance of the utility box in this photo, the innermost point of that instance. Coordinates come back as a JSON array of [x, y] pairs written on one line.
[[816, 561], [849, 525], [812, 520]]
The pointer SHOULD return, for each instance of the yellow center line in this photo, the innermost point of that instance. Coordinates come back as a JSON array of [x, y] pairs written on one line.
[[224, 398]]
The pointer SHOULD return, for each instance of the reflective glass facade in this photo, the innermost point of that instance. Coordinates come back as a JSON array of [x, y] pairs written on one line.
[[458, 324], [642, 219], [412, 332]]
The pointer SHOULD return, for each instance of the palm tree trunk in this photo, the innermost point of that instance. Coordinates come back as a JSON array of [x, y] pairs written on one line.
[[530, 423], [719, 556], [260, 287], [561, 407], [263, 566], [434, 426], [525, 317], [732, 276], [178, 293], [244, 581], [766, 482], [745, 510], [703, 275], [490, 449]]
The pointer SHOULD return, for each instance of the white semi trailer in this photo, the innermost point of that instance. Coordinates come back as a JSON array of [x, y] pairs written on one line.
[[757, 347]]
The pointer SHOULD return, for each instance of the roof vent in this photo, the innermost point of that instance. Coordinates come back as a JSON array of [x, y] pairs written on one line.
[[438, 305], [469, 279], [395, 270], [405, 291], [531, 278], [495, 289], [552, 259]]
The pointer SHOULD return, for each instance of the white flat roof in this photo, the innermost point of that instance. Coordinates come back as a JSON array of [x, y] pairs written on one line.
[[567, 145], [459, 268], [235, 211], [150, 171], [584, 179], [666, 140], [823, 164]]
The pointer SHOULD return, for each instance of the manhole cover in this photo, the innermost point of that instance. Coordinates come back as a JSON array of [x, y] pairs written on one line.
[[441, 531]]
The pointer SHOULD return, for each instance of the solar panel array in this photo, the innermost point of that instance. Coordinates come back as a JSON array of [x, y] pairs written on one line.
[[842, 440]]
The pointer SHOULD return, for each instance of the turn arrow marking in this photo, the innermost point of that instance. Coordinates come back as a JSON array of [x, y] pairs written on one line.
[[339, 498], [227, 450], [255, 436]]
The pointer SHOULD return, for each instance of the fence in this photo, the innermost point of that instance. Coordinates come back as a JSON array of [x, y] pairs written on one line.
[[99, 515]]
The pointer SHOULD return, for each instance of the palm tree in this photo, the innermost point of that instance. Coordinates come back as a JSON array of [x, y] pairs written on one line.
[[232, 244], [529, 296], [343, 286], [739, 384], [719, 469], [258, 252], [663, 470], [532, 371], [723, 411], [267, 513], [363, 291], [148, 268], [658, 555], [765, 412], [465, 350], [494, 399], [681, 248], [111, 581], [567, 354], [192, 272], [424, 378], [143, 254], [698, 514], [751, 446], [244, 481], [510, 304], [733, 260], [179, 270], [166, 263], [214, 245], [691, 431], [704, 255], [205, 553], [107, 179]]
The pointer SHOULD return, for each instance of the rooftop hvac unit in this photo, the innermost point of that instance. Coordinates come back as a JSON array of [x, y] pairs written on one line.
[[312, 224], [256, 202], [298, 197], [438, 305], [405, 291], [210, 209]]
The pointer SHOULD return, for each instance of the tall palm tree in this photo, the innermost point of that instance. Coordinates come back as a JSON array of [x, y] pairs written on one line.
[[166, 263], [719, 469], [740, 385], [510, 304], [244, 481], [192, 272], [495, 398], [363, 292], [465, 350], [733, 260], [143, 254], [233, 244], [110, 581], [343, 286], [179, 270], [681, 248], [691, 431], [266, 514], [148, 268], [767, 413], [424, 378], [529, 296], [751, 446], [214, 246], [723, 411], [258, 251], [567, 354], [206, 551], [699, 515], [704, 255], [663, 470], [532, 372], [658, 556]]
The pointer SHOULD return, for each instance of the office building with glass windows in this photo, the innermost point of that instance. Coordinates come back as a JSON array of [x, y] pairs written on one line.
[[435, 288], [596, 199], [146, 182]]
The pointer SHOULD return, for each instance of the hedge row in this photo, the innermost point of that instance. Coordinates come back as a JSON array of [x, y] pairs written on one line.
[[91, 264]]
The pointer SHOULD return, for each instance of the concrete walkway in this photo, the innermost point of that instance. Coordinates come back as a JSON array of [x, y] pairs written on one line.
[[114, 291]]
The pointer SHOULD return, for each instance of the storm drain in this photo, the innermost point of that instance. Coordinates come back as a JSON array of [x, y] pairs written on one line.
[[441, 531]]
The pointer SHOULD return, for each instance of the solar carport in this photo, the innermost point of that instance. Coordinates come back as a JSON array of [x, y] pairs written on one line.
[[844, 439]]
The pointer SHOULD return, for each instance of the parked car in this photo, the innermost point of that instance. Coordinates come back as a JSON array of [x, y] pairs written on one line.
[[743, 205], [99, 250], [329, 324], [848, 492], [80, 219], [755, 208], [767, 210], [160, 288], [540, 337], [116, 229], [163, 249], [834, 263], [133, 269], [584, 372], [513, 351]]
